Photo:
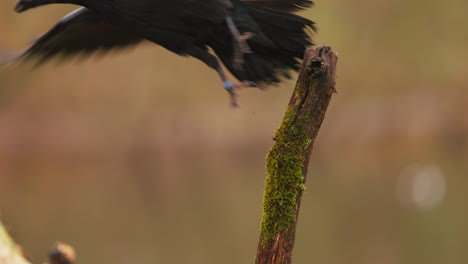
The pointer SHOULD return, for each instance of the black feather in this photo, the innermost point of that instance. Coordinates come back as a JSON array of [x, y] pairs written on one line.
[[279, 44], [281, 5], [82, 32], [185, 27]]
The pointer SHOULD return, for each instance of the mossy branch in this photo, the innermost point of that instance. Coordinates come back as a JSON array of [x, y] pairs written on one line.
[[288, 159]]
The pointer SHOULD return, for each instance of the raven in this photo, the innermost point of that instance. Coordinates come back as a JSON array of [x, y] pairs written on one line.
[[258, 41]]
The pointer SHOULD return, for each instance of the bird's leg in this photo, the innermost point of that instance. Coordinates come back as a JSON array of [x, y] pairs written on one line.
[[233, 88], [241, 39], [241, 46], [212, 62]]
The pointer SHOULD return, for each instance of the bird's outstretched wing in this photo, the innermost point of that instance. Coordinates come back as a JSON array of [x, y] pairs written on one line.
[[281, 5], [81, 32]]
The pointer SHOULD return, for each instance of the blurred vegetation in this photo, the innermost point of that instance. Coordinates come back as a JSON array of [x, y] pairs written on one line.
[[131, 163], [10, 253]]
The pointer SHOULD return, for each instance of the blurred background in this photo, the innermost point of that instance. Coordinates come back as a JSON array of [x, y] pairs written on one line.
[[138, 158]]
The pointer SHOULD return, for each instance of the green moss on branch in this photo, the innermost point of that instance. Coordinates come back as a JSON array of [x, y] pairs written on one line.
[[285, 179]]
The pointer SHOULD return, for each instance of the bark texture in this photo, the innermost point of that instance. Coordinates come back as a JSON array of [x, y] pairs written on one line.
[[288, 159]]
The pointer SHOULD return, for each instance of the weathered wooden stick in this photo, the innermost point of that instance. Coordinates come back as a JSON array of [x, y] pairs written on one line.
[[288, 159]]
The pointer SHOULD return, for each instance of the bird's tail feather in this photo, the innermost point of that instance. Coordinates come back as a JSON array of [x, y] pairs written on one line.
[[280, 5], [277, 47]]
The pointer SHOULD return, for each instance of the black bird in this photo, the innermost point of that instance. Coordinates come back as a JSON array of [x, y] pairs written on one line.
[[259, 41]]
